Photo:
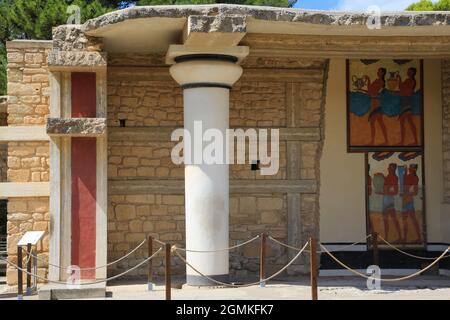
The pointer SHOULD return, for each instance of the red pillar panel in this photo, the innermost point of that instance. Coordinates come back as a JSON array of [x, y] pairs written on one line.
[[84, 184], [84, 96], [84, 187]]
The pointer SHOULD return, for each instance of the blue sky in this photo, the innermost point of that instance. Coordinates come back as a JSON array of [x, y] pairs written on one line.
[[359, 5]]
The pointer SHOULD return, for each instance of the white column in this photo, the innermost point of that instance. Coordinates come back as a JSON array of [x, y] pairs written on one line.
[[206, 80]]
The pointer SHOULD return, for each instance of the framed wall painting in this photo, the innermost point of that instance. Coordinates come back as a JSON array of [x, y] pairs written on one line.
[[384, 104], [395, 196]]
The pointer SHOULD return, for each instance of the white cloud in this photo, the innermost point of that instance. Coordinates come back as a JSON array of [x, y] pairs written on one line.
[[385, 5]]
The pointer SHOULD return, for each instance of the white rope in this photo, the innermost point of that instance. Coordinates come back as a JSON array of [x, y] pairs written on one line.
[[83, 283], [224, 249], [159, 242], [409, 254], [380, 279], [174, 249], [335, 250], [93, 268]]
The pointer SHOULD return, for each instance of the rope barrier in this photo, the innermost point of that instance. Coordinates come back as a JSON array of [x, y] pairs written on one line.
[[409, 254], [380, 279], [336, 250], [83, 283], [175, 250], [93, 268], [159, 242], [218, 250]]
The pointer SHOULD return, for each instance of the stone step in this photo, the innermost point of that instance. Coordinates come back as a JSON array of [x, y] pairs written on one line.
[[60, 292]]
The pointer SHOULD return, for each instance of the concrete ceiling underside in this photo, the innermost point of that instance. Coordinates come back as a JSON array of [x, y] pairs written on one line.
[[156, 34]]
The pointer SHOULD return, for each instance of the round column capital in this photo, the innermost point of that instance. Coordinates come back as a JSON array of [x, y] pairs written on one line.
[[206, 70]]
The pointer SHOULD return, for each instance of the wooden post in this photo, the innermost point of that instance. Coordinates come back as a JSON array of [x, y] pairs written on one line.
[[150, 264], [168, 275], [262, 260], [19, 274], [29, 261], [375, 252], [313, 267]]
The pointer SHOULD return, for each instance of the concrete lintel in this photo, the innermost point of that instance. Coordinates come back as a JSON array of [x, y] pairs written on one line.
[[214, 30], [69, 60], [120, 187], [23, 133], [175, 50], [24, 189], [76, 127]]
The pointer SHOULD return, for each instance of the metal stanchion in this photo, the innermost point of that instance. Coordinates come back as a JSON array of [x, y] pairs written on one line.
[[313, 267], [19, 274], [262, 260], [168, 274], [29, 262], [150, 264]]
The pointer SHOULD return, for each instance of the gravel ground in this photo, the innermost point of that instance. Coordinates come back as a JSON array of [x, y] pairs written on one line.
[[330, 288]]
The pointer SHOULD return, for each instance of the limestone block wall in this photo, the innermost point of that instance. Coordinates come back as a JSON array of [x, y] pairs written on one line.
[[132, 218], [28, 105], [446, 127], [28, 84], [130, 160], [280, 93], [28, 162], [251, 215], [27, 214], [144, 103]]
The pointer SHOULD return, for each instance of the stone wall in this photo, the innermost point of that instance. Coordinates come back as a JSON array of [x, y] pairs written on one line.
[[446, 127], [28, 84], [132, 218], [28, 162], [141, 92], [27, 214], [28, 105]]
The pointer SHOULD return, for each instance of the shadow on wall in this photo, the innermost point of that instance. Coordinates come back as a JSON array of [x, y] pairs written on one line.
[[3, 178]]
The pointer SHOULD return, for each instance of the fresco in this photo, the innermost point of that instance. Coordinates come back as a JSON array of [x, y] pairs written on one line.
[[384, 104], [395, 196]]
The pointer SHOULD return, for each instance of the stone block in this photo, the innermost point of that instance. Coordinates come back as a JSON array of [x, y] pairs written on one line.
[[165, 225], [69, 59], [76, 127], [173, 200], [270, 204], [135, 226], [247, 205], [270, 217], [125, 212]]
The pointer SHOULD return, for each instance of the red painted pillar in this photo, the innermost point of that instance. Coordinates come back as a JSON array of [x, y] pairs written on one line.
[[84, 183]]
